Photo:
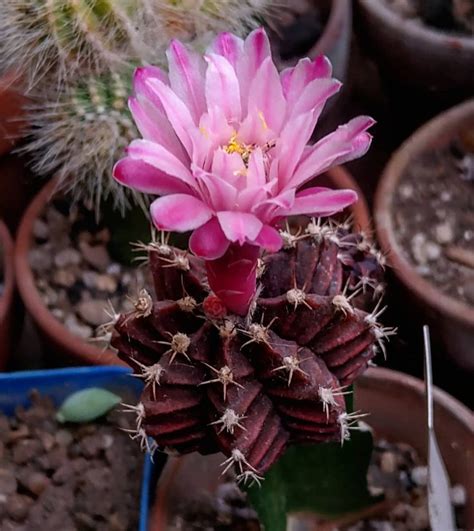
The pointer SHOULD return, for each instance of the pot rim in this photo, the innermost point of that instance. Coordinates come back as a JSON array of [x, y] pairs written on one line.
[[337, 14], [442, 126], [54, 328], [44, 319], [9, 274], [443, 398], [373, 377], [418, 31]]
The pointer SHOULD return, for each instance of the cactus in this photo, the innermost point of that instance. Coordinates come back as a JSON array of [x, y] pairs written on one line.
[[251, 385], [63, 37], [81, 135]]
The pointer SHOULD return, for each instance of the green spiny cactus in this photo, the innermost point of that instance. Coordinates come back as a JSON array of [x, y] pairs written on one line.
[[64, 36], [81, 135], [69, 36]]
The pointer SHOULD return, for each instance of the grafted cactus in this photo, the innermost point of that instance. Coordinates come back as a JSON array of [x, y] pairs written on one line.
[[250, 385]]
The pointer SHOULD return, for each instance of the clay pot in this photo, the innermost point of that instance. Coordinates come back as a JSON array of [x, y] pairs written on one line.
[[7, 297], [335, 41], [60, 344], [452, 319], [396, 404], [415, 55], [11, 122], [61, 347]]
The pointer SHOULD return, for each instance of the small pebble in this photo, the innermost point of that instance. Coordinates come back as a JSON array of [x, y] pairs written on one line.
[[444, 233], [40, 259], [64, 278], [106, 283], [63, 437], [40, 229], [78, 329], [8, 482], [36, 482], [67, 257], [432, 251], [458, 496], [419, 475], [406, 191], [93, 312], [95, 255], [388, 462], [18, 506], [25, 450]]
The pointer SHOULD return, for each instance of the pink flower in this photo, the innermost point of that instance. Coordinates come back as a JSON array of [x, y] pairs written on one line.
[[225, 145]]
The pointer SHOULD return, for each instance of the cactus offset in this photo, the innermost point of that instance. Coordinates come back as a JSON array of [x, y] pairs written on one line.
[[250, 385], [79, 136]]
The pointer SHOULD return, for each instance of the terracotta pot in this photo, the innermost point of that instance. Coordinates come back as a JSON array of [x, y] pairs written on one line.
[[396, 405], [11, 113], [452, 319], [335, 41], [64, 346], [61, 347], [7, 297], [415, 55]]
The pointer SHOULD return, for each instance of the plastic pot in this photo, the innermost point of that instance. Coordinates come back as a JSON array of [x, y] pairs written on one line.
[[7, 297], [68, 349], [58, 384], [452, 319], [415, 55], [396, 404]]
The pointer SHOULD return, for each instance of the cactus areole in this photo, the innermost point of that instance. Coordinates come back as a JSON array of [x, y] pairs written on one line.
[[255, 333]]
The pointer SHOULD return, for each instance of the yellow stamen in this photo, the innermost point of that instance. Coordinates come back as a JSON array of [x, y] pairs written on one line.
[[234, 146]]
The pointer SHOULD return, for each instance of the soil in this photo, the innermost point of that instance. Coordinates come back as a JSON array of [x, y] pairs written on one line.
[[56, 477], [455, 16], [396, 471], [433, 213], [77, 278]]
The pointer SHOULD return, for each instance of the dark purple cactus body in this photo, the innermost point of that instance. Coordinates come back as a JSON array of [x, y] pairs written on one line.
[[249, 386]]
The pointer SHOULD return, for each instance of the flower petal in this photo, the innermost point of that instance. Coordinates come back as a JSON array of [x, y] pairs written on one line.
[[209, 241], [266, 96], [141, 88], [186, 74], [270, 239], [320, 201], [229, 166], [239, 226], [176, 111], [348, 142], [229, 46], [315, 95], [295, 79], [160, 158], [218, 193], [179, 212], [145, 178], [222, 87], [290, 146], [154, 125], [256, 50]]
